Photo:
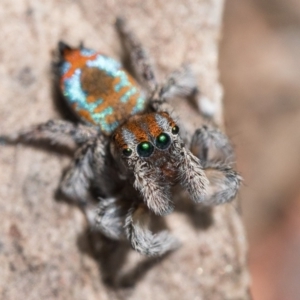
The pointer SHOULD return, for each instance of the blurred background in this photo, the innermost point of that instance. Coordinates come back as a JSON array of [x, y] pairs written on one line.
[[260, 72]]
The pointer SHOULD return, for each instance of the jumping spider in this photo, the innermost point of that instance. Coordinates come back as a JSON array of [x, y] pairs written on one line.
[[130, 148]]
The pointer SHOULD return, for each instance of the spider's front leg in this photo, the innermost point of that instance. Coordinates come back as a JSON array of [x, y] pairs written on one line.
[[141, 238], [57, 132], [118, 221], [216, 155], [156, 195]]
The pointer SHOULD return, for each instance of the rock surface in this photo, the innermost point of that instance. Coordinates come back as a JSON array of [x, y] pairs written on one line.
[[46, 249]]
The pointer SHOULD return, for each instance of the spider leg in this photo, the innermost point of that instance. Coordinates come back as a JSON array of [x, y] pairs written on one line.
[[110, 218], [56, 131], [90, 170], [156, 196], [76, 182], [211, 145], [93, 167], [216, 155], [183, 83], [180, 83], [192, 176], [142, 67], [142, 239]]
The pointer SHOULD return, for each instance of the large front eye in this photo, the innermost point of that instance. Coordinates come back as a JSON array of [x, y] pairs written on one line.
[[163, 141], [145, 149]]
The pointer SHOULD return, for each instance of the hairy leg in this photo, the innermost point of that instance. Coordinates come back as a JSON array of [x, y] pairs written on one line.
[[89, 179], [216, 155], [55, 131], [142, 67], [77, 181], [211, 145], [192, 176], [110, 218], [142, 239], [180, 83], [156, 196]]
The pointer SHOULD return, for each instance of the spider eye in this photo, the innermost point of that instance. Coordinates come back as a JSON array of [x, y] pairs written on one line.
[[175, 129], [145, 149], [127, 152], [163, 141]]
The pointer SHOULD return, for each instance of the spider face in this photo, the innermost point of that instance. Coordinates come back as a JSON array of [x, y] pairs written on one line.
[[145, 136], [152, 138]]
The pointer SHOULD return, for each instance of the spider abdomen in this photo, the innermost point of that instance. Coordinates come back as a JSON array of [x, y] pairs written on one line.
[[98, 89]]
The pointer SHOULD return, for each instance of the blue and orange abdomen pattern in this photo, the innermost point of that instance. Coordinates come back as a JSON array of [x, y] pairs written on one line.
[[98, 89]]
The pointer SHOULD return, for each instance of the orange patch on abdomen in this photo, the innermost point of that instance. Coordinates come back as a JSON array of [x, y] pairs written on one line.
[[77, 61]]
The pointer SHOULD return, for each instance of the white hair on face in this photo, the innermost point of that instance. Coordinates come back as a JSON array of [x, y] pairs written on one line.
[[128, 136], [162, 122]]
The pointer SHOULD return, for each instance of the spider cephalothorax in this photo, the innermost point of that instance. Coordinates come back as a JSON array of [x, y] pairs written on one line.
[[149, 145], [130, 151]]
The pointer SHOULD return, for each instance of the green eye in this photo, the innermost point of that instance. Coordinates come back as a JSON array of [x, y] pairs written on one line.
[[175, 129], [145, 149], [127, 152], [163, 141]]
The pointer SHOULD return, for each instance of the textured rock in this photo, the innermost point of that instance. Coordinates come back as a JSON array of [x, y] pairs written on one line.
[[46, 250]]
